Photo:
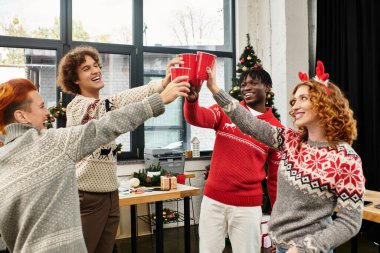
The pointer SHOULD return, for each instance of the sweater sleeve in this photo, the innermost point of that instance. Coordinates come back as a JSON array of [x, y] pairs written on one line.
[[350, 188], [135, 94], [83, 109], [85, 139], [201, 116], [273, 161], [260, 130]]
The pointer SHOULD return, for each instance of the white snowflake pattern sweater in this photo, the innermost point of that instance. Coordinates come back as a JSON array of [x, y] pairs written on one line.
[[97, 172], [39, 209]]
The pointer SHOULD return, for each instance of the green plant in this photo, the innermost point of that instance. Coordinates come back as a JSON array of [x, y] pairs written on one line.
[[145, 180]]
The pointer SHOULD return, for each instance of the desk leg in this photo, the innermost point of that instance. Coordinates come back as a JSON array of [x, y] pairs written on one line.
[[354, 244], [159, 228], [133, 229], [187, 223]]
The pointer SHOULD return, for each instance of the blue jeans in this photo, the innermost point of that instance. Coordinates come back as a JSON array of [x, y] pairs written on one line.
[[281, 250]]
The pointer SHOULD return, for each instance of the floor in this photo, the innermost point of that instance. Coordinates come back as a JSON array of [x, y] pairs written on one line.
[[173, 243]]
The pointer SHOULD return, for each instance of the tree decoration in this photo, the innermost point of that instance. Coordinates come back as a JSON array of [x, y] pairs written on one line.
[[49, 121], [56, 112], [168, 216], [118, 148], [248, 60]]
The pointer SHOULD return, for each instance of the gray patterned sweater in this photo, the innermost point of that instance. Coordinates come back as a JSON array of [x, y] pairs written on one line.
[[39, 209], [313, 180], [97, 171]]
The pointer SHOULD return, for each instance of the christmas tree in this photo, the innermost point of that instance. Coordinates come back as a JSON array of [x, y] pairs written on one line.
[[247, 61]]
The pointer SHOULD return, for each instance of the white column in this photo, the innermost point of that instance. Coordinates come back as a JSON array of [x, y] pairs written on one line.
[[279, 35], [253, 17], [290, 53]]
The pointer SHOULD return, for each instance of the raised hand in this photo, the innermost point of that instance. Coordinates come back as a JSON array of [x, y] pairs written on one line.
[[172, 63], [211, 82], [194, 93], [177, 88]]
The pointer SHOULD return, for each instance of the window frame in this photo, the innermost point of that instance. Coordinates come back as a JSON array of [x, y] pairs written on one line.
[[135, 51]]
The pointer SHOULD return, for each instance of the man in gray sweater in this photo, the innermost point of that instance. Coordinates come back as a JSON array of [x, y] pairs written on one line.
[[39, 209]]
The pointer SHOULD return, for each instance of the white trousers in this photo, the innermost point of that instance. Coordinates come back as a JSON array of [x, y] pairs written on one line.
[[241, 224]]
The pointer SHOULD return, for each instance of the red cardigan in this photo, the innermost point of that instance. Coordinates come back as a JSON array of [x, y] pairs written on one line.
[[237, 163]]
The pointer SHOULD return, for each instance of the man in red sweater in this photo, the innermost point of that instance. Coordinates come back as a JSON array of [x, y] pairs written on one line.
[[233, 192]]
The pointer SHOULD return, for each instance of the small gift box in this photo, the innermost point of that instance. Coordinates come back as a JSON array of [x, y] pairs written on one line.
[[168, 182]]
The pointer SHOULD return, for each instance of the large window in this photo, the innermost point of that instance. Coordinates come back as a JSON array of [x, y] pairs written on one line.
[[107, 21], [206, 136], [34, 19], [187, 23], [116, 76], [169, 128], [136, 42], [37, 65]]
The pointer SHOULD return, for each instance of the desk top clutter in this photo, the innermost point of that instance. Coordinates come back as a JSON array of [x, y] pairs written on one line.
[[150, 195], [153, 178]]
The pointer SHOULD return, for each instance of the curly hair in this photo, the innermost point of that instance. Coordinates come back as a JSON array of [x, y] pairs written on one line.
[[67, 68], [258, 73], [336, 117]]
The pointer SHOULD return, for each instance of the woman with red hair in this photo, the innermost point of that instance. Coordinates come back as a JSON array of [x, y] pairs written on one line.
[[319, 170], [39, 209]]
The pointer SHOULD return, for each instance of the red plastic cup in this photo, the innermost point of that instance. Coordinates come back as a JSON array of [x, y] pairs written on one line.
[[179, 71], [190, 61], [181, 179], [204, 60], [198, 82]]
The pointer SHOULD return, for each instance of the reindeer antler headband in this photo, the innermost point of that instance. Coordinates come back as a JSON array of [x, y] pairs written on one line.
[[321, 77]]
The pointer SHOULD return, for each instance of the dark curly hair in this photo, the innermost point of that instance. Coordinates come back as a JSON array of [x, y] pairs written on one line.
[[336, 117], [67, 68], [258, 73]]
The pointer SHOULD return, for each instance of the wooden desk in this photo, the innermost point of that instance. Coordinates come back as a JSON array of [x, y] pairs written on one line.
[[371, 213], [182, 191]]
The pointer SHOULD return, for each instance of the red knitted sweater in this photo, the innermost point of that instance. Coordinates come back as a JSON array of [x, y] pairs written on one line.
[[237, 163]]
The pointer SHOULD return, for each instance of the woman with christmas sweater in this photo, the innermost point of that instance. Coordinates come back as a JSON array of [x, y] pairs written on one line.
[[319, 171]]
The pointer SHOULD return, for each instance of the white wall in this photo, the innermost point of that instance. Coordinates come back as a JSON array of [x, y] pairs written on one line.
[[279, 35]]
